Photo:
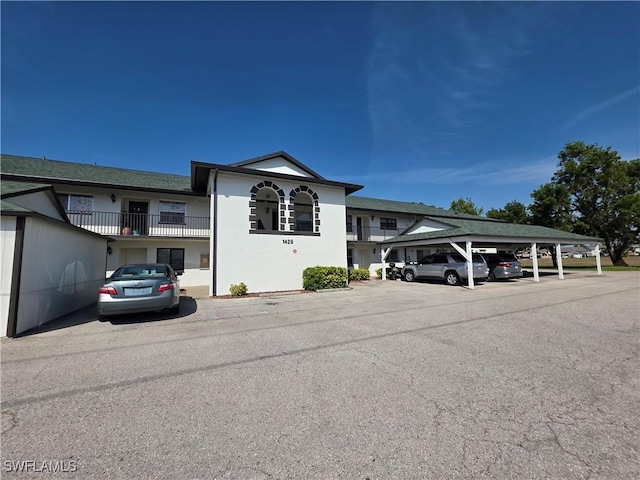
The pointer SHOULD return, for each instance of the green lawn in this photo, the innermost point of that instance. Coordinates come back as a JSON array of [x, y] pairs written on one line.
[[587, 262]]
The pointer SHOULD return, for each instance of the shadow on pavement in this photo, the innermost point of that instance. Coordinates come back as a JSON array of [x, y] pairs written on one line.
[[79, 317], [188, 306], [90, 314]]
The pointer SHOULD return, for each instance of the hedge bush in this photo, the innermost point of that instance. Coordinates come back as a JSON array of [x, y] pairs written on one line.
[[238, 290], [379, 273], [319, 278], [359, 274]]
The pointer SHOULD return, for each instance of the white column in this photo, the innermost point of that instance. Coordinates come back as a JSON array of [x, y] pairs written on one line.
[[559, 257], [598, 262], [470, 266], [534, 259], [383, 255]]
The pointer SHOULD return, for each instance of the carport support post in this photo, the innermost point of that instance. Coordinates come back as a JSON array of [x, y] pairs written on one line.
[[534, 259], [468, 256], [385, 254], [470, 266], [559, 257], [598, 263]]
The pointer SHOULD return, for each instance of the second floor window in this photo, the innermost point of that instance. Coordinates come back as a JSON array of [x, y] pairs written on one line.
[[172, 213], [388, 224], [76, 203], [303, 212]]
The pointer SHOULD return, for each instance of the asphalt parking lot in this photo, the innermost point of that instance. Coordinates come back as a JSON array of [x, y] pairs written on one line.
[[387, 380]]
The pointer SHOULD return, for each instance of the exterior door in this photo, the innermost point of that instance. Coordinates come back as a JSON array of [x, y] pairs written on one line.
[[138, 212], [359, 229], [364, 258]]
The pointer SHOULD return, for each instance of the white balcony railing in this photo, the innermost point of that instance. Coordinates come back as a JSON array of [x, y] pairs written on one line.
[[370, 234], [141, 224]]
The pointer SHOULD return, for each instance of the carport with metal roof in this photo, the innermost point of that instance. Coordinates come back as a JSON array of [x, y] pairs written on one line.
[[465, 234]]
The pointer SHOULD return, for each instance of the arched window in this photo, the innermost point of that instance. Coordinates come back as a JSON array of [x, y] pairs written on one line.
[[304, 203], [266, 207]]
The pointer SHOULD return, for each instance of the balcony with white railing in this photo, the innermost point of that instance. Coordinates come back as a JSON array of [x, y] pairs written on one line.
[[142, 224], [356, 233]]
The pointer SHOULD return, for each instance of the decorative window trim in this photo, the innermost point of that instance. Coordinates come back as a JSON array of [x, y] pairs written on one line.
[[315, 210], [253, 216]]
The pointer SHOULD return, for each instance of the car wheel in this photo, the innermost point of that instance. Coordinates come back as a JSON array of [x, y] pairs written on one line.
[[103, 318], [451, 278], [175, 309], [409, 276], [492, 277]]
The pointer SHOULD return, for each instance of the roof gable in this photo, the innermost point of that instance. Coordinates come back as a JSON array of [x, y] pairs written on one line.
[[31, 197], [428, 225], [278, 162]]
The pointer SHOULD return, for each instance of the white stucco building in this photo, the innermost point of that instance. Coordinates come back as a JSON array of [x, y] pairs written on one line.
[[260, 222]]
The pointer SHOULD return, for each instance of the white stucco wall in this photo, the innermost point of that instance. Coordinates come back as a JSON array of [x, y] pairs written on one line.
[[274, 261], [193, 275], [62, 270], [7, 245]]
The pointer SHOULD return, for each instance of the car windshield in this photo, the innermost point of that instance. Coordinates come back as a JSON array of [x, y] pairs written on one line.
[[139, 272]]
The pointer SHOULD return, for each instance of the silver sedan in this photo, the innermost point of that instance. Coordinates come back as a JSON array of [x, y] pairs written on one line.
[[140, 288]]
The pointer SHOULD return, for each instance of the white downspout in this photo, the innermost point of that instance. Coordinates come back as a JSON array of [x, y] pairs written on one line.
[[534, 259]]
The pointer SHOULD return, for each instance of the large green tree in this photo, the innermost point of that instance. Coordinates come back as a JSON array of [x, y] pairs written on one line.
[[605, 194], [551, 207], [513, 212], [465, 205]]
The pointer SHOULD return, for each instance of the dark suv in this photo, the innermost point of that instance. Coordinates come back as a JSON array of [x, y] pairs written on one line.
[[503, 265], [448, 267]]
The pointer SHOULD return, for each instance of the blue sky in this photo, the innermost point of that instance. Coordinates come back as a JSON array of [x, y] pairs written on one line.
[[418, 101]]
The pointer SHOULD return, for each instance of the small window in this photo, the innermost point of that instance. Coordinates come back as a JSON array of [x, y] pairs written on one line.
[[172, 213], [173, 257], [350, 257], [388, 224], [349, 224], [76, 203]]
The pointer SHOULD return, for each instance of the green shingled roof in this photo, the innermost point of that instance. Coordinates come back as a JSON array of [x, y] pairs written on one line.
[[11, 188], [52, 170], [10, 207], [411, 208], [463, 227]]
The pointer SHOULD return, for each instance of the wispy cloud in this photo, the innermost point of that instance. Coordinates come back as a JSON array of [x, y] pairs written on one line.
[[539, 171], [599, 107], [434, 69]]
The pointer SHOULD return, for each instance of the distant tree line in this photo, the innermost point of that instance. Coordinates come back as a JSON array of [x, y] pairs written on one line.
[[593, 192]]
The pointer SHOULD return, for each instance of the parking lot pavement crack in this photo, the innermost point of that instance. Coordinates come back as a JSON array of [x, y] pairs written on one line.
[[556, 440], [46, 365], [223, 472], [9, 421]]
